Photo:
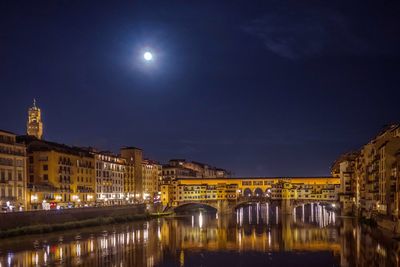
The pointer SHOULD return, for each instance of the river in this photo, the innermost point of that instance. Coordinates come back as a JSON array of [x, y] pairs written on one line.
[[256, 235]]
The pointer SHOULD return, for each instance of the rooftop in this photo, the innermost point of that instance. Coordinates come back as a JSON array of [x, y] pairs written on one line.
[[7, 132], [34, 144]]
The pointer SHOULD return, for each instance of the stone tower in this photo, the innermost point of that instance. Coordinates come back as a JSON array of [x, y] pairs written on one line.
[[34, 126], [134, 156]]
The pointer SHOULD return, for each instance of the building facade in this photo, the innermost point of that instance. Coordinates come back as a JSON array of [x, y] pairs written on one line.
[[110, 172], [152, 172], [129, 181], [34, 125], [134, 157], [12, 172], [374, 175], [59, 176], [344, 168]]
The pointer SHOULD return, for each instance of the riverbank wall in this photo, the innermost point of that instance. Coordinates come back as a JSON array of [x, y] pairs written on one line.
[[14, 220]]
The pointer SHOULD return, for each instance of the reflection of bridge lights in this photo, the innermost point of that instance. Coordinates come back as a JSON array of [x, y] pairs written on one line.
[[294, 215], [78, 250], [9, 258], [269, 238], [201, 220], [145, 235], [312, 212], [249, 214], [61, 253]]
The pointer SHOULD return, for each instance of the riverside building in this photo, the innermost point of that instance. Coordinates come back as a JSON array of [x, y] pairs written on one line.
[[12, 173], [59, 176], [134, 157], [152, 172], [110, 172], [372, 176]]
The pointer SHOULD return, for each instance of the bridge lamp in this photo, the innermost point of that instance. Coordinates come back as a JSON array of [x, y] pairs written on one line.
[[333, 205]]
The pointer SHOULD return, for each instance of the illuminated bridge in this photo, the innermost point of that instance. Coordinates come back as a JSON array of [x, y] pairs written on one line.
[[223, 194]]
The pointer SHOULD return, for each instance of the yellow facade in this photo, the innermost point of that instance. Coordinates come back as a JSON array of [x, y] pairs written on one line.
[[129, 181], [59, 176], [151, 173], [200, 190]]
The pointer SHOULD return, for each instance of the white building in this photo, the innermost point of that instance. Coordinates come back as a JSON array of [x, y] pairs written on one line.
[[110, 171]]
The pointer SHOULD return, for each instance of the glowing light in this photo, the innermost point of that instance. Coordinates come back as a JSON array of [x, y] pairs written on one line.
[[148, 56], [201, 220], [34, 198]]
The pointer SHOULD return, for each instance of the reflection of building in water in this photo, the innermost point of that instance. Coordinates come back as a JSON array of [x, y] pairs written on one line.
[[371, 176], [359, 248], [131, 247], [152, 243], [218, 235]]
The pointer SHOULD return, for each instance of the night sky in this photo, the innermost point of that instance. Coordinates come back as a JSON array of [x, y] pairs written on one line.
[[271, 88]]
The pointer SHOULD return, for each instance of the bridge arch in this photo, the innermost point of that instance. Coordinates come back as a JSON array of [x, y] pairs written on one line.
[[247, 192], [258, 192], [193, 206]]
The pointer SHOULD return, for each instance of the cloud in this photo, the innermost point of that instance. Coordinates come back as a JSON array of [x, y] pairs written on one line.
[[295, 32], [289, 40]]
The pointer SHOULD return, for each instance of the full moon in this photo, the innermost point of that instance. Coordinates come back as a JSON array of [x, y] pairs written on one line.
[[148, 56]]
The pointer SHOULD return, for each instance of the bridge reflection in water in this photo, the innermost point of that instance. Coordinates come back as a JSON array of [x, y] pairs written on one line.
[[257, 231]]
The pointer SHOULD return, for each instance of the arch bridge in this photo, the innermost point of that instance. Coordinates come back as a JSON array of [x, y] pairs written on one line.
[[190, 206]]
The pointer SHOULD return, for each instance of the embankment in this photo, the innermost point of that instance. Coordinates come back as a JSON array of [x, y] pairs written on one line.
[[35, 222]]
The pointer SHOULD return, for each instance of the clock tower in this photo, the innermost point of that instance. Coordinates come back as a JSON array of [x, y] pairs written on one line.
[[34, 125]]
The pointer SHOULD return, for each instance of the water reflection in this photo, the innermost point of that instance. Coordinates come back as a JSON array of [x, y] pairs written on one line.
[[259, 235]]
